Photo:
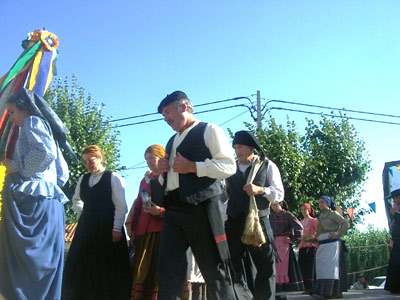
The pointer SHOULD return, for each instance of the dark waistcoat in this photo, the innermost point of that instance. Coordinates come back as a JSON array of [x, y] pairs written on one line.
[[238, 203], [97, 198], [194, 189]]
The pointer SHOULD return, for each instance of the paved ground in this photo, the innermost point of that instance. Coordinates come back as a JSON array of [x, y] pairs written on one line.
[[352, 294]]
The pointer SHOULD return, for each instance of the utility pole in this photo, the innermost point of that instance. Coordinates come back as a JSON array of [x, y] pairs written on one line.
[[258, 110]]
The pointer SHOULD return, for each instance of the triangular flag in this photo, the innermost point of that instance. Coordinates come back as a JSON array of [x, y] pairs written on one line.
[[350, 212], [372, 206]]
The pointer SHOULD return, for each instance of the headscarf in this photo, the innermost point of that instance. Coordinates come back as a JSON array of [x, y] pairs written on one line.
[[311, 212], [156, 149], [329, 201], [35, 105]]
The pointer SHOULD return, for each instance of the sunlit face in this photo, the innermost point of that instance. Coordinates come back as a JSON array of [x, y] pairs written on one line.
[[16, 115], [276, 207], [174, 117], [304, 212], [244, 153], [92, 163], [152, 161], [323, 206]]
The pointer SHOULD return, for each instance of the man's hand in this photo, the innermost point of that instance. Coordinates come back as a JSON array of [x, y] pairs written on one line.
[[116, 236], [252, 189], [183, 165], [163, 165]]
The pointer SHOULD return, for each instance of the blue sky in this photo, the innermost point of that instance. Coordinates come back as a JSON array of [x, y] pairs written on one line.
[[130, 54]]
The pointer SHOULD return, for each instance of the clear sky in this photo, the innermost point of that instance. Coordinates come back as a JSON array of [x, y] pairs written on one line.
[[130, 54]]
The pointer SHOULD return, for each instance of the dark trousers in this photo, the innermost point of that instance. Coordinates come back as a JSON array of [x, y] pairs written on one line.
[[183, 227], [262, 257]]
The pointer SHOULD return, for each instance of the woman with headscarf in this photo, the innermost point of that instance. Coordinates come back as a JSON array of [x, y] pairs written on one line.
[[97, 266], [32, 226], [330, 262], [287, 230], [307, 249], [144, 226]]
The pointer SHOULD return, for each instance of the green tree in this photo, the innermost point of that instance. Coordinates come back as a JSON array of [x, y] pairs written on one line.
[[368, 253], [87, 125], [329, 158]]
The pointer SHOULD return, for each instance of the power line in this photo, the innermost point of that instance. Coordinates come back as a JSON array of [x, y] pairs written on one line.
[[201, 112], [197, 105], [327, 107], [335, 116]]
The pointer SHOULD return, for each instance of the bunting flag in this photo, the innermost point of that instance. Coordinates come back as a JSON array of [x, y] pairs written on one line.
[[33, 70], [350, 213], [372, 205]]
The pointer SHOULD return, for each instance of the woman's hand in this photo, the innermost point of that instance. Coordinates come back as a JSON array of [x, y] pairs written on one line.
[[334, 236], [116, 236], [153, 209]]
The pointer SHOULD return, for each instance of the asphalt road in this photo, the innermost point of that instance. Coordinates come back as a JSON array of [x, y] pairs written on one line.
[[351, 294]]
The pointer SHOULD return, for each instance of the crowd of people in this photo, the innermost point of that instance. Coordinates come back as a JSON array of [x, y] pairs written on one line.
[[186, 246]]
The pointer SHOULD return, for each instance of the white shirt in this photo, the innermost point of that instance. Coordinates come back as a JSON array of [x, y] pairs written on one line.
[[273, 189], [220, 166], [117, 197]]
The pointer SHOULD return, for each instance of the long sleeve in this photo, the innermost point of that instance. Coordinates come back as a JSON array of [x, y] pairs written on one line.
[[273, 189], [222, 164], [77, 203], [40, 148], [118, 198], [297, 228]]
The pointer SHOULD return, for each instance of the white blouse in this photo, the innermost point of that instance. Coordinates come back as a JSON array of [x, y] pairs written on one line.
[[117, 196]]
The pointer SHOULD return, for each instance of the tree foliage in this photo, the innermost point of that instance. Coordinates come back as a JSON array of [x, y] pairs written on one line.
[[87, 125], [328, 159], [368, 253]]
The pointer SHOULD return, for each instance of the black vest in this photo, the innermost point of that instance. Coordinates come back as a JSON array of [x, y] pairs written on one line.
[[194, 189], [238, 203], [97, 198]]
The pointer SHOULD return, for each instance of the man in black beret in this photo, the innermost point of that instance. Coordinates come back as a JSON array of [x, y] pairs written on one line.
[[198, 158], [267, 188]]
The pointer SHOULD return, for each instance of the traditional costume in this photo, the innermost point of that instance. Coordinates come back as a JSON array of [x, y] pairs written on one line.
[[32, 229], [146, 230], [307, 249], [268, 176], [288, 276], [192, 217], [393, 272], [96, 268], [330, 261]]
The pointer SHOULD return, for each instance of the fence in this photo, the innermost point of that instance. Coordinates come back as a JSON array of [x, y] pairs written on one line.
[[370, 260]]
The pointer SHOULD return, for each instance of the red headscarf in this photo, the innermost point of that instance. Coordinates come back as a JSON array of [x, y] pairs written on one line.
[[310, 209]]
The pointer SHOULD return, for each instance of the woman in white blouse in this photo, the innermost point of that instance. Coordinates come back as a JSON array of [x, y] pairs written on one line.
[[97, 266]]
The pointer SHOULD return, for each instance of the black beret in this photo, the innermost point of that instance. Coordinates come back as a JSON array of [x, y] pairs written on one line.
[[395, 193], [177, 95], [247, 138]]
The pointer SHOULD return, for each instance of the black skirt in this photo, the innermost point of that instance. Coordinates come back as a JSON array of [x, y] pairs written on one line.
[[96, 268]]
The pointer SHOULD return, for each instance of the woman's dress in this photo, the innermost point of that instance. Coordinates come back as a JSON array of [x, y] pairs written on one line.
[[96, 268], [146, 229], [393, 272], [330, 260], [285, 225], [307, 252], [32, 228]]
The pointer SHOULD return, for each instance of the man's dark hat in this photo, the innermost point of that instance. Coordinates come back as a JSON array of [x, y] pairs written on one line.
[[177, 95], [247, 138], [395, 193]]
